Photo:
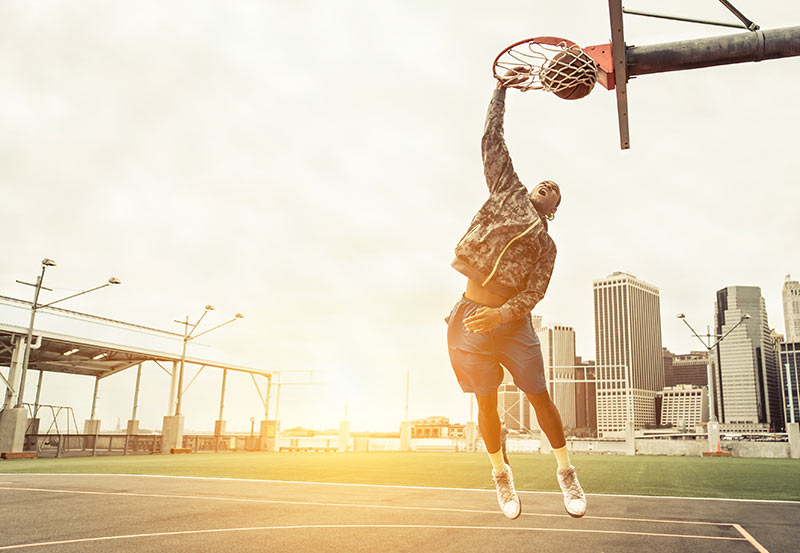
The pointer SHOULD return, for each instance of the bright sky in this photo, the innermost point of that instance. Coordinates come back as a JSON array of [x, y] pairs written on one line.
[[312, 165]]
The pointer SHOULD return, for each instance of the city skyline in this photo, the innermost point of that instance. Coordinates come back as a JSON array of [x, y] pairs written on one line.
[[332, 423], [203, 155]]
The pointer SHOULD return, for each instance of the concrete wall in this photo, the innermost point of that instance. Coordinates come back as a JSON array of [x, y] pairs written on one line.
[[691, 448], [770, 450]]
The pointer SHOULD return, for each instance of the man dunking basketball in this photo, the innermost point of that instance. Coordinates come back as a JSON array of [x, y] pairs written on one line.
[[507, 256]]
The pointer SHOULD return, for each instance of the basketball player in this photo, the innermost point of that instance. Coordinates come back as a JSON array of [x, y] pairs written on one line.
[[507, 256]]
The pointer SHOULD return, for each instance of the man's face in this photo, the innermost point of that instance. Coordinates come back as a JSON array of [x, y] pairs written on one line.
[[545, 197]]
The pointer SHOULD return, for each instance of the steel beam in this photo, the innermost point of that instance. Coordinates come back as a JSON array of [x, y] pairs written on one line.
[[710, 52]]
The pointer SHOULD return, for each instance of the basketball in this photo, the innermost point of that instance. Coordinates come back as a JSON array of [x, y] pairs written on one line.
[[570, 74]]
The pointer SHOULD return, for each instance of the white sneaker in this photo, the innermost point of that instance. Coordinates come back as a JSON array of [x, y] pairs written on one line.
[[507, 496], [574, 498]]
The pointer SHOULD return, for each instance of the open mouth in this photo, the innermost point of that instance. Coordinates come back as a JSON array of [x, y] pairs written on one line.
[[542, 192]]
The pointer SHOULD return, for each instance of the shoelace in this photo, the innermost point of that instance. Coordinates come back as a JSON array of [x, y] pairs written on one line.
[[506, 487], [571, 485]]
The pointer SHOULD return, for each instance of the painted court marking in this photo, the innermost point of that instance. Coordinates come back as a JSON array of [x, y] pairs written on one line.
[[363, 526], [351, 505], [396, 486], [745, 535]]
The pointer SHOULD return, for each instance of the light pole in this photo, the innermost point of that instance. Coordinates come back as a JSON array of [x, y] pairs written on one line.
[[712, 417], [34, 306], [187, 336]]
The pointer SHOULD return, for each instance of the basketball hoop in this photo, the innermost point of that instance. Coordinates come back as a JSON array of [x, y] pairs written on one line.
[[548, 63]]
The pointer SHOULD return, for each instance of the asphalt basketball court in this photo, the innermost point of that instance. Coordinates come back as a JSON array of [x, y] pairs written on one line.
[[87, 513]]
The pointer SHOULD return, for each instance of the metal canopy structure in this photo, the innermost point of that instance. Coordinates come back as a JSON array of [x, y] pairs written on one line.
[[79, 343]]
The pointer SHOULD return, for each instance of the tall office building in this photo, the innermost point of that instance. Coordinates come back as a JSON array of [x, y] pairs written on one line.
[[630, 366], [558, 351], [585, 397], [791, 309], [747, 386], [790, 373]]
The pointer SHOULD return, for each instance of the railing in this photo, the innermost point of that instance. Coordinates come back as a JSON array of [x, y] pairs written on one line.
[[225, 442], [90, 445], [74, 445]]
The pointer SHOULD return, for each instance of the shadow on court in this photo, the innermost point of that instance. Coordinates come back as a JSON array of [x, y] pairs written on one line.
[[87, 513]]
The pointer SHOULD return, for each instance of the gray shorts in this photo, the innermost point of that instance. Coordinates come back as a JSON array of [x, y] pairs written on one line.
[[478, 358]]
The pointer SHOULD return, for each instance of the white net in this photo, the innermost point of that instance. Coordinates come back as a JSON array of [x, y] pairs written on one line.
[[536, 66]]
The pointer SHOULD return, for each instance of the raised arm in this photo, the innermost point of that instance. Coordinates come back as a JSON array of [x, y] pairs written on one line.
[[497, 166]]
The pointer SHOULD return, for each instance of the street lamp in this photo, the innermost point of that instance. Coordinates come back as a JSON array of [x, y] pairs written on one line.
[[712, 417], [34, 306], [187, 336]]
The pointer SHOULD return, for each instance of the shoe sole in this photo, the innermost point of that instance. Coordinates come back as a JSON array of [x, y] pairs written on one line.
[[574, 516], [518, 514]]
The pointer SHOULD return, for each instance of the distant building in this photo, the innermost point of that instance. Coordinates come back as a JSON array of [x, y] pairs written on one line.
[[297, 431], [558, 351], [585, 397], [747, 385], [436, 427], [791, 309], [627, 316], [513, 407], [684, 406], [790, 373], [688, 368]]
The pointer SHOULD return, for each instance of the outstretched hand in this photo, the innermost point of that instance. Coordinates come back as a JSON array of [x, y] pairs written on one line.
[[514, 76], [484, 320]]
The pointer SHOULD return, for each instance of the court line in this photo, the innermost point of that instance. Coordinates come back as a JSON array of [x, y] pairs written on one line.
[[351, 505], [364, 526], [760, 548], [397, 486]]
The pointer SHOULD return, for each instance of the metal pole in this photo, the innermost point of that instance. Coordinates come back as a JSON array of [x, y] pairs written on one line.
[[136, 392], [38, 395], [789, 389], [172, 382], [712, 415], [709, 52], [629, 393], [94, 398], [183, 361], [266, 397], [277, 401], [222, 394], [29, 338], [408, 380]]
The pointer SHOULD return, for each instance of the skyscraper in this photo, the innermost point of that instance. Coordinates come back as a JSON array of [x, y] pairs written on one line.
[[586, 396], [790, 371], [627, 318], [791, 309], [746, 380], [558, 351]]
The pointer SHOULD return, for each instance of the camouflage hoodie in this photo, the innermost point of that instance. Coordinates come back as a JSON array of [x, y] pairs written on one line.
[[506, 249]]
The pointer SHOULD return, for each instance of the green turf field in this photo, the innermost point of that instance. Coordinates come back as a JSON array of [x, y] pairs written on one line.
[[612, 474]]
